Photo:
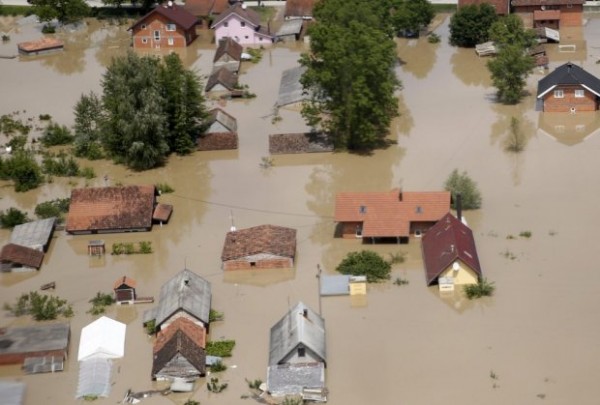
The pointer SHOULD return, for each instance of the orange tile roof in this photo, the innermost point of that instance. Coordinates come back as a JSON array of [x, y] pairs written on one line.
[[196, 333], [41, 44], [129, 282], [389, 213], [111, 208], [162, 212]]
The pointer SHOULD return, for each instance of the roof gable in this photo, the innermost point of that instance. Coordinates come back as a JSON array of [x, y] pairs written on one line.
[[173, 13], [568, 74], [447, 241], [124, 283], [220, 116], [390, 213], [178, 340], [228, 46], [240, 11], [272, 239], [301, 325], [221, 76]]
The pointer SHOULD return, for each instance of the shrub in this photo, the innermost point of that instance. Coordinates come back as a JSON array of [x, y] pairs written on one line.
[[48, 29], [55, 134], [433, 38], [255, 53], [45, 117], [145, 247], [41, 307], [10, 125], [461, 183], [215, 386], [398, 257], [62, 165], [525, 234], [5, 38], [87, 172], [365, 263], [100, 302], [218, 366], [220, 348], [53, 208], [150, 327], [254, 384], [12, 217], [164, 188], [215, 316], [23, 170], [400, 281], [483, 288], [17, 142]]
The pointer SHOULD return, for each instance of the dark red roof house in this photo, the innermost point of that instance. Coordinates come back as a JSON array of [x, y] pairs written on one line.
[[14, 256], [168, 25], [381, 216]]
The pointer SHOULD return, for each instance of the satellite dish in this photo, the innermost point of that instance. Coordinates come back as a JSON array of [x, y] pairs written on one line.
[[455, 266], [243, 6]]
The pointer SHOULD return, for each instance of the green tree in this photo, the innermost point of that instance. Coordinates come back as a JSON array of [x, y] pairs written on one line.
[[509, 69], [12, 217], [411, 15], [365, 263], [41, 307], [65, 11], [461, 183], [89, 114], [53, 208], [350, 73], [23, 170], [182, 93], [470, 25], [509, 30], [56, 134]]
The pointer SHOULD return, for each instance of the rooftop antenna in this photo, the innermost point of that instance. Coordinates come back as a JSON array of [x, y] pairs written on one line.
[[232, 228]]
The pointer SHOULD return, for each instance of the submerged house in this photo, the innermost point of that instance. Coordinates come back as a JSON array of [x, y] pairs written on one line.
[[259, 247], [20, 258], [28, 242], [228, 55], [297, 355], [221, 80], [111, 209], [242, 25], [186, 295], [168, 25], [450, 255], [549, 13], [124, 290], [568, 88], [389, 216], [179, 351], [299, 9], [45, 340]]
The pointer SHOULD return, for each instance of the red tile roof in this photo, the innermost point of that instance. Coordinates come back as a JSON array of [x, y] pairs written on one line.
[[220, 6], [22, 255], [175, 14], [195, 332], [272, 239], [447, 241], [162, 212], [45, 43], [111, 208], [389, 214], [228, 46], [299, 8], [124, 281]]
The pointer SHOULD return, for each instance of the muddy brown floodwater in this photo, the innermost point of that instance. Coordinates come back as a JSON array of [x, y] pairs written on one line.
[[538, 335]]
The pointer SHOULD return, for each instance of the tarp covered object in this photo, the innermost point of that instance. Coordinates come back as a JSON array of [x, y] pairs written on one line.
[[94, 377], [103, 338]]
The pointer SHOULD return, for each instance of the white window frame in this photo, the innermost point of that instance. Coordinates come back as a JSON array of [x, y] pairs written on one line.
[[156, 35], [170, 27], [559, 94], [579, 93], [170, 41]]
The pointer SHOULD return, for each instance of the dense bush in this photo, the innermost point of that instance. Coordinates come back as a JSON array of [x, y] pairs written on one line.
[[55, 134], [365, 263], [41, 307], [100, 302], [220, 348], [54, 208], [61, 165], [483, 288], [470, 24], [12, 217], [461, 183], [23, 170]]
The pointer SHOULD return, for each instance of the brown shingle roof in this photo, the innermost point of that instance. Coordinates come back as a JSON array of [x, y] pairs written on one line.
[[447, 241], [182, 337], [162, 212], [199, 8], [111, 208], [222, 76], [250, 16], [272, 239], [22, 255], [175, 13], [299, 8], [230, 47], [220, 6], [390, 213], [124, 282]]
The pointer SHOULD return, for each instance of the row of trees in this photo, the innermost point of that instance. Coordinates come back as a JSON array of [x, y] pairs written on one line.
[[475, 24], [149, 108]]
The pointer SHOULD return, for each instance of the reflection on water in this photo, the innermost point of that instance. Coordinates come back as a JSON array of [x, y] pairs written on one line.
[[569, 129]]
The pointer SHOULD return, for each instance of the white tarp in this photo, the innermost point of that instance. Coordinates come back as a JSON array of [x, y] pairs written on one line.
[[103, 338], [94, 377]]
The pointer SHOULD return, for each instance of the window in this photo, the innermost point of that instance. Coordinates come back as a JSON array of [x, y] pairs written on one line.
[[157, 35], [143, 26], [246, 36], [418, 209], [569, 5], [226, 24], [559, 94], [243, 23], [171, 27], [144, 40], [252, 264], [362, 209], [579, 93], [301, 352], [170, 41]]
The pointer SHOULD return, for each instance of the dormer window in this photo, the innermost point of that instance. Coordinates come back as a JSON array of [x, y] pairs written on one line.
[[301, 352], [171, 27]]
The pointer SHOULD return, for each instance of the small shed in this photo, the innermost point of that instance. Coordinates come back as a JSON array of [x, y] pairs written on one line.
[[289, 31], [220, 121], [162, 213], [291, 92], [259, 247], [96, 247], [124, 289], [104, 338]]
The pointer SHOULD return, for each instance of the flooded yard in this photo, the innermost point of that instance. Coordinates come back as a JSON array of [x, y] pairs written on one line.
[[535, 341]]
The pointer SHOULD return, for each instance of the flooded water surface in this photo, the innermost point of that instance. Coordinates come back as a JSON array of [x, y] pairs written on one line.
[[535, 341]]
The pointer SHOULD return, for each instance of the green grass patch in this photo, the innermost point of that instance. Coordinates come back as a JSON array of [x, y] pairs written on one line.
[[483, 288], [15, 10], [220, 348]]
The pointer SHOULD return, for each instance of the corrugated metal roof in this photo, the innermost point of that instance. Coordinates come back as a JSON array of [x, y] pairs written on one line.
[[35, 234], [186, 291], [12, 392], [335, 285], [37, 338], [294, 329], [290, 88], [289, 27]]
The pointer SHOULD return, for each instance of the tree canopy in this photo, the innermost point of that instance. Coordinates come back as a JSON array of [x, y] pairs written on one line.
[[350, 72], [365, 263], [461, 183], [470, 25], [65, 11], [149, 109], [411, 15]]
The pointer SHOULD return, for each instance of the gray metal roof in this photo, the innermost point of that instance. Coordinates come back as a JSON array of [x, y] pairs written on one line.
[[34, 234], [12, 392], [291, 379], [290, 88], [296, 328], [186, 291], [335, 285], [290, 27], [38, 338], [568, 74]]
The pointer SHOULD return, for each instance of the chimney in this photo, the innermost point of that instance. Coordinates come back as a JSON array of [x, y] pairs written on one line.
[[305, 313], [459, 206]]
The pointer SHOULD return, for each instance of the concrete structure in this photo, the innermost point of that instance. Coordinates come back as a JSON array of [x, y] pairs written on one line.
[[168, 25], [389, 216], [242, 25], [568, 88], [17, 344], [259, 247], [449, 254]]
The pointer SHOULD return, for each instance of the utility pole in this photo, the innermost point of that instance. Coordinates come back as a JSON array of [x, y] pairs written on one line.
[[319, 286]]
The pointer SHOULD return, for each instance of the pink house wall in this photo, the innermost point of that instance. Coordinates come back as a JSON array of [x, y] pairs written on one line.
[[239, 30]]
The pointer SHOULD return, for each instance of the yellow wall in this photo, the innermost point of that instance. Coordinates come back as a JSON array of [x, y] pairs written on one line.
[[464, 275]]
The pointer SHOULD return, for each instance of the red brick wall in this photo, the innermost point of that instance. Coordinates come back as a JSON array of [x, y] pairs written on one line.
[[569, 17], [19, 358], [158, 23], [501, 6], [586, 103], [279, 263]]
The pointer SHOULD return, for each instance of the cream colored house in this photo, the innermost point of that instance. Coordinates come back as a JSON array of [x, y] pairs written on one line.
[[449, 254]]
